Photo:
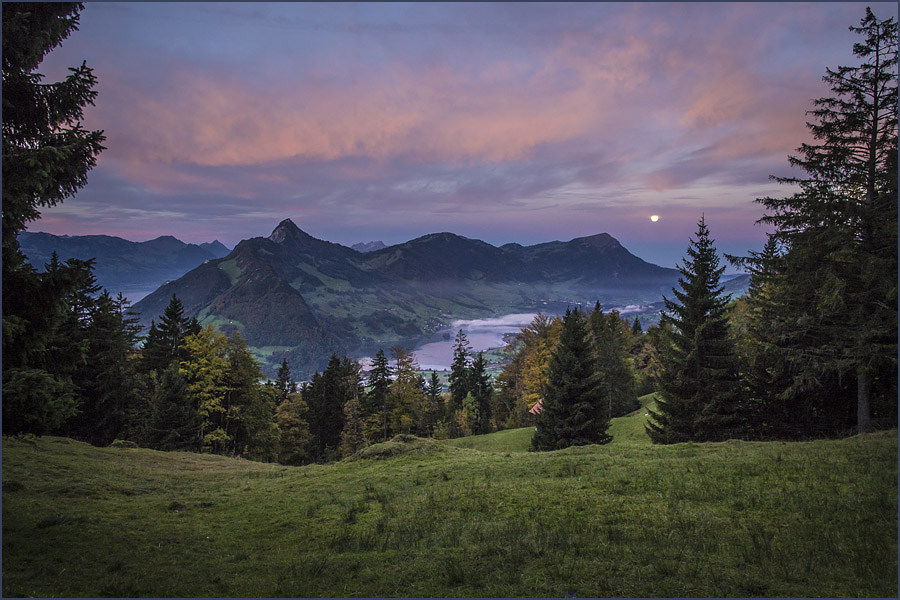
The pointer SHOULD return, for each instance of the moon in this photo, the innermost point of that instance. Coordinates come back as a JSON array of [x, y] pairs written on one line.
[[654, 218]]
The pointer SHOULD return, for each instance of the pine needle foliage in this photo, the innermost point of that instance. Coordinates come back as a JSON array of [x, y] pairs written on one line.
[[575, 412], [699, 387]]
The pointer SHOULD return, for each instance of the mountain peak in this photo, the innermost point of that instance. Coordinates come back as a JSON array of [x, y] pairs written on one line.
[[368, 246], [600, 240], [287, 231]]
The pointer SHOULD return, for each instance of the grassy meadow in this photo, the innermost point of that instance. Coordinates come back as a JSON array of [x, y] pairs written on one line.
[[473, 517]]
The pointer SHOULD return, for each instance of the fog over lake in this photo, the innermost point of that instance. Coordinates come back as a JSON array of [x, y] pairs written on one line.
[[481, 333]]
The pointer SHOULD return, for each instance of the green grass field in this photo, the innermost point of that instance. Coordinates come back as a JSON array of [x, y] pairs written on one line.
[[428, 518]]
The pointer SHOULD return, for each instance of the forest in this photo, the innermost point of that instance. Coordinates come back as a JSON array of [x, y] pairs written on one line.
[[810, 352]]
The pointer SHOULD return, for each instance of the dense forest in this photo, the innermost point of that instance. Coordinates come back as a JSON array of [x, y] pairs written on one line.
[[810, 351]]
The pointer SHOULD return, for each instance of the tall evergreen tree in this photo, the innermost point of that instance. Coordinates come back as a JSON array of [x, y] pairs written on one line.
[[699, 387], [378, 401], [574, 411], [459, 372], [836, 291], [165, 341], [326, 395], [433, 404], [610, 337], [482, 391], [284, 384], [172, 419], [46, 158], [107, 380]]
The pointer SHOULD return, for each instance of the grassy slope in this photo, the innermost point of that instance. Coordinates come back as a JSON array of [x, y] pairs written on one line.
[[427, 518]]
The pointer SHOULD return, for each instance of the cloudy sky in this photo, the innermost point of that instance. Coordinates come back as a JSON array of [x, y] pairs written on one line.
[[503, 122]]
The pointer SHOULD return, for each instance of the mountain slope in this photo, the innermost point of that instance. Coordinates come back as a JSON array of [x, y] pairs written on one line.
[[296, 297]]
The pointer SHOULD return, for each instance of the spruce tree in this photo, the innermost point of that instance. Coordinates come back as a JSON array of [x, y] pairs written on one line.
[[284, 384], [165, 341], [482, 390], [459, 372], [574, 411], [46, 158], [699, 386], [835, 298], [609, 333], [378, 401]]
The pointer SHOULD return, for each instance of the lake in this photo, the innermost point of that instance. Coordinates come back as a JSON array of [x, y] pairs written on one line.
[[481, 333]]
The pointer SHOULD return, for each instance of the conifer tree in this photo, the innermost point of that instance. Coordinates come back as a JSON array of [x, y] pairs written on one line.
[[636, 328], [482, 391], [433, 404], [835, 298], [165, 340], [609, 333], [459, 372], [378, 401], [284, 384], [46, 158], [574, 412], [172, 419], [699, 386]]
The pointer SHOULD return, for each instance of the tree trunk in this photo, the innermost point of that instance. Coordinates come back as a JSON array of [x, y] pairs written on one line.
[[863, 409]]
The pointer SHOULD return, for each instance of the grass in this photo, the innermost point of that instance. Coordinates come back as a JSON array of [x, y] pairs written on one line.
[[416, 517]]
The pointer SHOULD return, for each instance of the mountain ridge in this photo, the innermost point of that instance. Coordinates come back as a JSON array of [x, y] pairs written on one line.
[[294, 296], [122, 265]]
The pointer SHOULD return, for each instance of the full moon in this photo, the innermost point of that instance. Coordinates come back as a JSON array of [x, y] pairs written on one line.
[[654, 218]]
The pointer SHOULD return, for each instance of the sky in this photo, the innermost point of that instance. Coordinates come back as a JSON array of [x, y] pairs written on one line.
[[503, 122]]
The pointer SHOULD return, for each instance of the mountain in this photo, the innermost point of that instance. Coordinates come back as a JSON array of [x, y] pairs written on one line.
[[216, 248], [122, 265], [368, 246], [294, 296]]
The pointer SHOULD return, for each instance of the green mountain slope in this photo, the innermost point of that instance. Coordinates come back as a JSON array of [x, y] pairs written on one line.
[[421, 518], [308, 297]]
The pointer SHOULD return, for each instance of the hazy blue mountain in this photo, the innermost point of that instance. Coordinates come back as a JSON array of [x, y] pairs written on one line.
[[122, 265], [297, 297], [216, 248], [368, 246]]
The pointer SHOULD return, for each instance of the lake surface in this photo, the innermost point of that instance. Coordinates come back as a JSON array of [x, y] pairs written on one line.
[[481, 333], [487, 333]]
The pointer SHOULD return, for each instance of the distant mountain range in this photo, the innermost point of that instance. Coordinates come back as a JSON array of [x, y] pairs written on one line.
[[122, 265], [297, 297], [368, 246]]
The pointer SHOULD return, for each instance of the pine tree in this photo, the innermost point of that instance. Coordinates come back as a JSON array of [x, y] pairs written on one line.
[[699, 387], [326, 396], [433, 405], [378, 402], [459, 371], [164, 341], [609, 333], [574, 411], [636, 328], [46, 157], [173, 422], [482, 390], [836, 291], [284, 384], [107, 381]]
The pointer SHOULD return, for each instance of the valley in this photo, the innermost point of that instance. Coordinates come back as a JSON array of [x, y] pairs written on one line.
[[298, 298]]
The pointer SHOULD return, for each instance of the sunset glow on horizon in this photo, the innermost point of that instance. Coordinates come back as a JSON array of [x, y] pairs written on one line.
[[504, 122]]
